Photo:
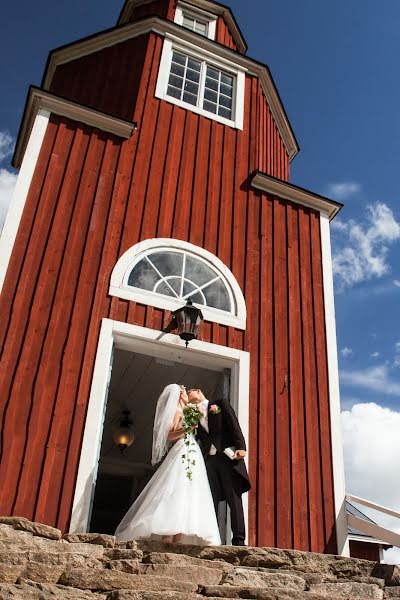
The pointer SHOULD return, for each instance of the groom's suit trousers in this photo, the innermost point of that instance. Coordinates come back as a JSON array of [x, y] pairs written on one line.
[[226, 485]]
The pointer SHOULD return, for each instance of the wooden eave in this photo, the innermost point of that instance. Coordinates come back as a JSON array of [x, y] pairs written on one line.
[[39, 99], [216, 8], [293, 193], [163, 27]]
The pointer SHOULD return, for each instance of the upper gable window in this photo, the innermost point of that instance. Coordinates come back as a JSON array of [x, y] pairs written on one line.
[[196, 20], [208, 86], [165, 273]]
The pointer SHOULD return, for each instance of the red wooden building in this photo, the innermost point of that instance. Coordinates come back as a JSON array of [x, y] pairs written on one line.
[[154, 167]]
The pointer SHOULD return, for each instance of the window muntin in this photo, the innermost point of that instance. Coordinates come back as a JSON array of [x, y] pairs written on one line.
[[181, 275], [200, 84]]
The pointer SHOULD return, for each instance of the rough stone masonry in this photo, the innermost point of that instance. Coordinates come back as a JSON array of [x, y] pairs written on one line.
[[38, 563]]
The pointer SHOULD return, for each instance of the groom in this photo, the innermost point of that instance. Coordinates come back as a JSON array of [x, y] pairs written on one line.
[[228, 478]]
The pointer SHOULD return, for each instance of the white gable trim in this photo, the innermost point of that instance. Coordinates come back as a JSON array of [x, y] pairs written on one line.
[[16, 208], [164, 27], [119, 287], [38, 100]]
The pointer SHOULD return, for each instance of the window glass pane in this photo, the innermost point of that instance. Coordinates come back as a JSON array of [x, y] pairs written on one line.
[[225, 112], [175, 81], [143, 276], [174, 282], [226, 102], [188, 22], [213, 73], [188, 287], [180, 59], [192, 87], [201, 28], [194, 64], [226, 90], [177, 69], [211, 84], [226, 79], [217, 296], [165, 290], [192, 75], [211, 95], [171, 91], [197, 299], [210, 107], [190, 98], [168, 263], [197, 271]]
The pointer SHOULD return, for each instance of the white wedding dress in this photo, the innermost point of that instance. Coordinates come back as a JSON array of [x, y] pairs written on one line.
[[171, 503]]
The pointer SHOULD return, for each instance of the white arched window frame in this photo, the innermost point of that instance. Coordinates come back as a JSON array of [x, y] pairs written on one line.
[[119, 281]]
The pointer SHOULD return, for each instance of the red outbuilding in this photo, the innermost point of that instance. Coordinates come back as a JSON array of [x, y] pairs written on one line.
[[154, 168]]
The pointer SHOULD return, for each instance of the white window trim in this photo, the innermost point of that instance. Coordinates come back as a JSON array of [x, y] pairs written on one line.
[[184, 9], [171, 44], [120, 288]]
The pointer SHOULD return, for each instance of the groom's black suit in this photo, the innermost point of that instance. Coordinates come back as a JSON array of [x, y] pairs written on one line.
[[228, 478]]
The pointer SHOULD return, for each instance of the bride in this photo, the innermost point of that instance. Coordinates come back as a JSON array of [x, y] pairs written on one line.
[[172, 508]]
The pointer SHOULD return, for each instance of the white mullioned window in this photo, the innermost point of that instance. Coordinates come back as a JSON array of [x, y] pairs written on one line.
[[166, 273], [206, 86], [196, 20]]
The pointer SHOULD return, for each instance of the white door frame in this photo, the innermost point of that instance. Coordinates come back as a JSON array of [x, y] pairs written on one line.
[[154, 343]]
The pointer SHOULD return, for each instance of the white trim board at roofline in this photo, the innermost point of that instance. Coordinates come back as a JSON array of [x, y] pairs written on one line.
[[293, 193], [211, 7], [39, 99], [163, 27], [153, 343]]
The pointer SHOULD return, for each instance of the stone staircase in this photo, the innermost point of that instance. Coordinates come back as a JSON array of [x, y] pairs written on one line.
[[38, 563]]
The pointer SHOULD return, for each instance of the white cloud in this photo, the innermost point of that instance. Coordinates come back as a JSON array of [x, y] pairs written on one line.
[[6, 145], [345, 352], [396, 283], [371, 445], [375, 354], [343, 190], [361, 250], [7, 184], [376, 379]]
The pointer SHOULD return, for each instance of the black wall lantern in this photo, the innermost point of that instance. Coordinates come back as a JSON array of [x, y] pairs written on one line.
[[123, 436], [187, 321]]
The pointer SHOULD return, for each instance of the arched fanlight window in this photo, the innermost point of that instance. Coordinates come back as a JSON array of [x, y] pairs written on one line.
[[165, 273]]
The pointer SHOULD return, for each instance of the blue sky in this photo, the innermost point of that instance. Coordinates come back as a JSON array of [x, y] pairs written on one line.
[[336, 68]]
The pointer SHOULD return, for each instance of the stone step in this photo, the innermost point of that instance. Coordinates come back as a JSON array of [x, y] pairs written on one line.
[[107, 580], [32, 591], [317, 592], [170, 558], [185, 572], [245, 577]]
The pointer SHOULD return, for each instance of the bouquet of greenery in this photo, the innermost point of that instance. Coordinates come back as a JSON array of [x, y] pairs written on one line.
[[192, 413]]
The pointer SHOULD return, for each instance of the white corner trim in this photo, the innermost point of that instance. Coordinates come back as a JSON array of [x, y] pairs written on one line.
[[14, 214], [41, 100], [184, 9], [163, 27], [334, 392], [120, 289], [288, 191], [172, 43], [153, 343]]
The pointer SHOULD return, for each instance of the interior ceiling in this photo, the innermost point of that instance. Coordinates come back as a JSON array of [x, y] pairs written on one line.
[[136, 382]]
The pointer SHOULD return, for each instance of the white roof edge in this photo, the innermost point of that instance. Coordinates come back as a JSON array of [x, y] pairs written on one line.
[[39, 99], [163, 27], [288, 191], [219, 10], [359, 538]]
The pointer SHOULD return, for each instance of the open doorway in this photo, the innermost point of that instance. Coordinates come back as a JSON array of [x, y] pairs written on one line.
[[135, 385], [221, 363]]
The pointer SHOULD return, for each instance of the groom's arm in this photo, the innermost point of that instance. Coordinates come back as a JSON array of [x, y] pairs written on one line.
[[233, 424]]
